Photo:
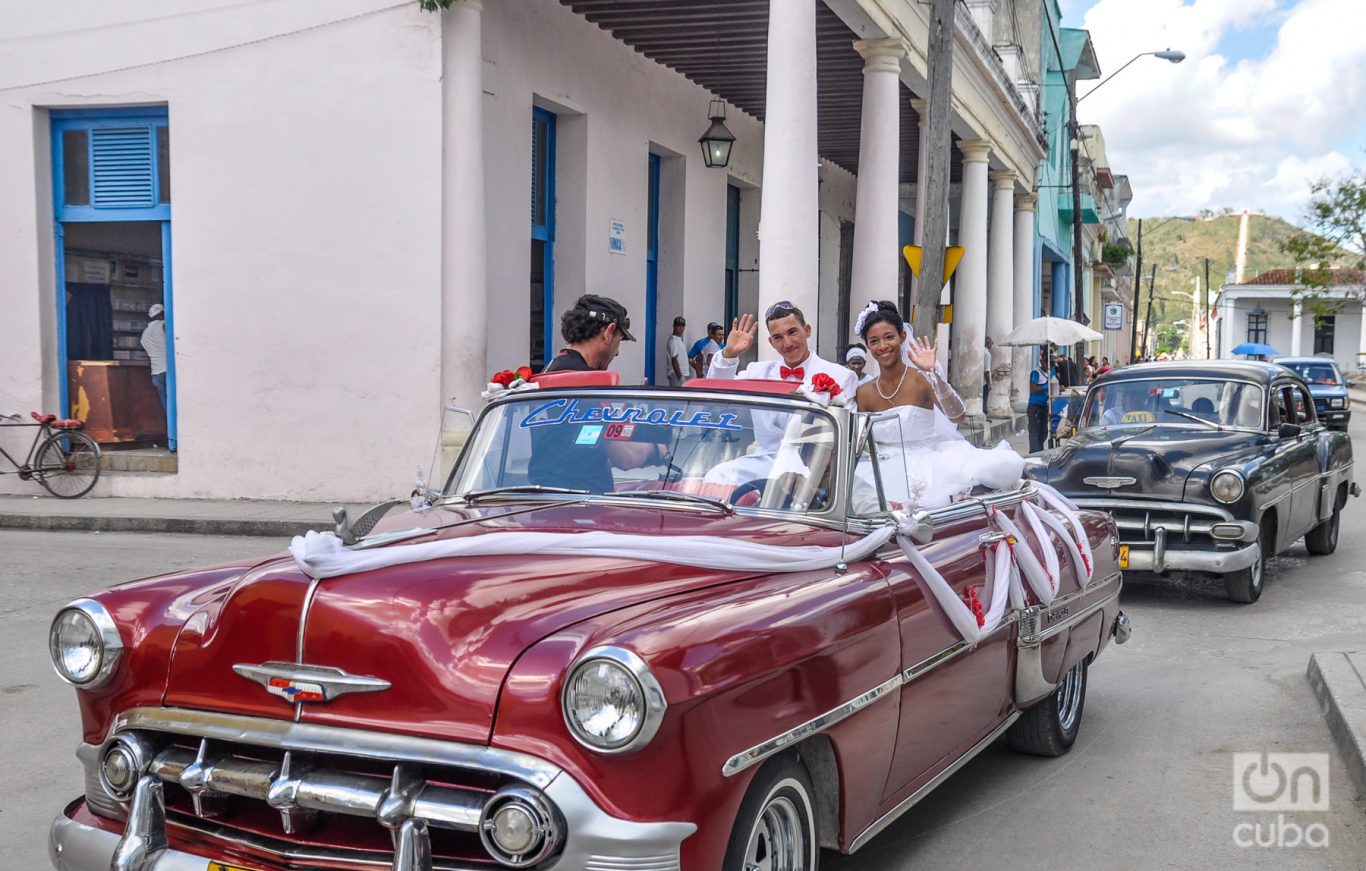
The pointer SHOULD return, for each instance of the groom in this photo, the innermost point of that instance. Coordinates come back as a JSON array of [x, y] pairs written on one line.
[[789, 334]]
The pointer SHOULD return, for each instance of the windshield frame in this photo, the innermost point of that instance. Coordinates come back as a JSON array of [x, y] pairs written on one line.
[[1178, 421], [833, 515]]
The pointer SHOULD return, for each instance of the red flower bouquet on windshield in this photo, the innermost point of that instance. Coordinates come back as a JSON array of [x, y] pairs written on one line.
[[824, 390], [509, 380]]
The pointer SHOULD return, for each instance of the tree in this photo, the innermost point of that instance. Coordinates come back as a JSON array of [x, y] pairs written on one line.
[[1335, 239], [1170, 338]]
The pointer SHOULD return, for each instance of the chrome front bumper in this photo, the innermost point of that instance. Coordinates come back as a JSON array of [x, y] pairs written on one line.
[[1217, 561]]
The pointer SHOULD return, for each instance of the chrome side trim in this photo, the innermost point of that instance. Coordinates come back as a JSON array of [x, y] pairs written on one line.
[[910, 801], [307, 737], [1071, 620], [929, 663], [759, 752]]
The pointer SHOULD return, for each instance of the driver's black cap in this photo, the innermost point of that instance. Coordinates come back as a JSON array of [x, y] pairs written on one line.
[[608, 310]]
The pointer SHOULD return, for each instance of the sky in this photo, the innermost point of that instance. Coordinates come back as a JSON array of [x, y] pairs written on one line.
[[1271, 96]]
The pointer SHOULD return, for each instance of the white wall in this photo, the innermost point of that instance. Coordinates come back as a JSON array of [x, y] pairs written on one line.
[[621, 105], [306, 218], [838, 190]]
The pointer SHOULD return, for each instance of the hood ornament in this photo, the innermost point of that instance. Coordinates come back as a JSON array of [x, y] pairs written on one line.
[[299, 682], [1111, 482]]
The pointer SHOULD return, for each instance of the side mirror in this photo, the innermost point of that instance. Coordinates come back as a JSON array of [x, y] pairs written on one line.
[[1289, 430]]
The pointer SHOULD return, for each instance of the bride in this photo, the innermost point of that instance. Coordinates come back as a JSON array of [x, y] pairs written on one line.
[[919, 466]]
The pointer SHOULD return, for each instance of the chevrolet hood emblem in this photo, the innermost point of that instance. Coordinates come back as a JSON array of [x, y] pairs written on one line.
[[299, 682], [1109, 482]]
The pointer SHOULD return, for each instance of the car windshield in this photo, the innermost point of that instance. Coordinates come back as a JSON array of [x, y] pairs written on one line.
[[1188, 401], [666, 449], [1316, 373]]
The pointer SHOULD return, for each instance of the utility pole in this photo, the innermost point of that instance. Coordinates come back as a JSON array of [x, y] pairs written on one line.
[[935, 188], [1078, 283], [1148, 319], [1208, 323], [1138, 289]]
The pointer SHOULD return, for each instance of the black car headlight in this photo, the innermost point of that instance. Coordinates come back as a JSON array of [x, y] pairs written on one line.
[[611, 701], [85, 644], [1227, 486]]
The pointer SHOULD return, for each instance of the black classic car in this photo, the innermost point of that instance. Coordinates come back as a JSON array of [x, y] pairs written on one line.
[[1207, 468]]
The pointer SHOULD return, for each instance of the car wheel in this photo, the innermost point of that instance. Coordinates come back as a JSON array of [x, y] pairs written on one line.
[[1323, 539], [1245, 585], [775, 829], [1050, 727]]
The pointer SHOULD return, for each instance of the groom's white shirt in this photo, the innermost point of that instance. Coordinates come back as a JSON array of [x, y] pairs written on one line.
[[729, 367]]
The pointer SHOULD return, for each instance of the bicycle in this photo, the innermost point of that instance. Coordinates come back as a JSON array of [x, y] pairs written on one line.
[[63, 459]]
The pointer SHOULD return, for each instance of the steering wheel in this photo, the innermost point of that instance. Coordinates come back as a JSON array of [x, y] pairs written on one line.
[[672, 474], [756, 486]]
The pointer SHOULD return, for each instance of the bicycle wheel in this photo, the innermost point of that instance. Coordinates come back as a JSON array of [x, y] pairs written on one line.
[[68, 464]]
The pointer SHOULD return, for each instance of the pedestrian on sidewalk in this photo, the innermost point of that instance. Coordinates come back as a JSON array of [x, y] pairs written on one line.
[[153, 341], [678, 353], [1040, 384]]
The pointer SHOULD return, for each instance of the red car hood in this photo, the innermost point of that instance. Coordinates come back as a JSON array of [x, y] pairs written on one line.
[[443, 632]]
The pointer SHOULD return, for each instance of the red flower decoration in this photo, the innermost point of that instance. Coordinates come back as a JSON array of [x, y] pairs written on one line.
[[506, 377], [975, 604], [822, 383], [524, 373]]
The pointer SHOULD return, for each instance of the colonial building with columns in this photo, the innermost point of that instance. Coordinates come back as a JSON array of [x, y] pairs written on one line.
[[376, 206], [1264, 310]]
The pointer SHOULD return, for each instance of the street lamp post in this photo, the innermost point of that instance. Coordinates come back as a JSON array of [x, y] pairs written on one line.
[[1077, 289], [1193, 325]]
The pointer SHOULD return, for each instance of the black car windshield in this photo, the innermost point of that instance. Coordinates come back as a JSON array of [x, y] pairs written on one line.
[[721, 449], [1316, 373], [1188, 401]]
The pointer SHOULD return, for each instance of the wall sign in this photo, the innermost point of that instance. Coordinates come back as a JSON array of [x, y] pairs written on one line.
[[1114, 316], [616, 237]]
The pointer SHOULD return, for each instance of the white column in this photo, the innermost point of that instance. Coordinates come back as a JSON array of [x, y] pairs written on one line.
[[1000, 288], [1361, 347], [464, 305], [1296, 331], [921, 169], [876, 254], [1021, 362], [970, 287], [788, 229]]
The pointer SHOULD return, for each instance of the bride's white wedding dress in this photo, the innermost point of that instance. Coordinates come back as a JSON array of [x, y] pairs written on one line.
[[920, 468]]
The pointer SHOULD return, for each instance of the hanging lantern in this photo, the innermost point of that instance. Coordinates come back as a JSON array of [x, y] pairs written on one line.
[[717, 141]]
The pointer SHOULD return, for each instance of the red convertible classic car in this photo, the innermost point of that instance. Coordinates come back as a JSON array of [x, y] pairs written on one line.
[[636, 629]]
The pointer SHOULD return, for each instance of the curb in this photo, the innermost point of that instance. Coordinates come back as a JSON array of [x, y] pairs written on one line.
[[1341, 693], [186, 525]]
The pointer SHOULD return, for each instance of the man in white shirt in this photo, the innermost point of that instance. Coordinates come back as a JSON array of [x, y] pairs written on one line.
[[789, 334], [678, 353], [154, 343]]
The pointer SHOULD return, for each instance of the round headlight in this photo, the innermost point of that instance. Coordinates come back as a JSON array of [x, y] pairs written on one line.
[[84, 643], [612, 703], [1227, 486]]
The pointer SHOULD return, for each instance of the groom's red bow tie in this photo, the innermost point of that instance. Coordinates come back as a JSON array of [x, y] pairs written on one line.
[[799, 373]]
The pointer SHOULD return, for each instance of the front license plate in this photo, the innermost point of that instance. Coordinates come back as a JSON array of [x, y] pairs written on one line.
[[219, 866], [1123, 563]]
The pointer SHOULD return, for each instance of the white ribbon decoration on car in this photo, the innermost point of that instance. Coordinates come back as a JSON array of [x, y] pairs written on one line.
[[1010, 566]]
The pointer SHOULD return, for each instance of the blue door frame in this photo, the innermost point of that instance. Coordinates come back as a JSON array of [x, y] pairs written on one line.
[[652, 271], [732, 306], [543, 218], [63, 120]]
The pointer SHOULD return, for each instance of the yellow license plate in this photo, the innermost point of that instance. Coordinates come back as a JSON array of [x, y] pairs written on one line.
[[1123, 563], [219, 866]]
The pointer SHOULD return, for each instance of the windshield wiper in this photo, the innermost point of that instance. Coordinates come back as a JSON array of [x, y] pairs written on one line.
[[725, 507], [522, 488], [1207, 423]]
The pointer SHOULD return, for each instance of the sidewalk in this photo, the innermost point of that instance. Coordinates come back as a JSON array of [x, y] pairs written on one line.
[[198, 516], [1339, 684]]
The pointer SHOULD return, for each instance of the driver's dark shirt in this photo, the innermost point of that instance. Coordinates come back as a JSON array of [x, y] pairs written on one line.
[[557, 460]]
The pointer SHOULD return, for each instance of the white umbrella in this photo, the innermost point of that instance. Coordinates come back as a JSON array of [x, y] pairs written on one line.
[[1042, 331]]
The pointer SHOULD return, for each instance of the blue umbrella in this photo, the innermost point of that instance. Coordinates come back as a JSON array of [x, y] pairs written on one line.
[[1255, 349]]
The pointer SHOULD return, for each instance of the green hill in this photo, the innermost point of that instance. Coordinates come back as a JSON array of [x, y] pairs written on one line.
[[1179, 246]]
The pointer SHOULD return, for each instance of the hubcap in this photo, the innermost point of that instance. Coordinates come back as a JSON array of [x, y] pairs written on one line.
[[1069, 698], [778, 842]]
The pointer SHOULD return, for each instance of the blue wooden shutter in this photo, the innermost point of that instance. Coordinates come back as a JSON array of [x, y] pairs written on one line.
[[122, 167]]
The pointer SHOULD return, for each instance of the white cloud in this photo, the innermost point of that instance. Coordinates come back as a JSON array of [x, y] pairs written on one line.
[[1211, 132]]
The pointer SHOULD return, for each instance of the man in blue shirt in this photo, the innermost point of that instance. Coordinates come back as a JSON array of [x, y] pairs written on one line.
[[1039, 382]]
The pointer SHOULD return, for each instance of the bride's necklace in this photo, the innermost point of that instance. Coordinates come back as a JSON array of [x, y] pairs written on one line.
[[877, 385]]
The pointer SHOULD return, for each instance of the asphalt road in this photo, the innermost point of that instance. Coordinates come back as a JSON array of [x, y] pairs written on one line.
[[1149, 783]]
